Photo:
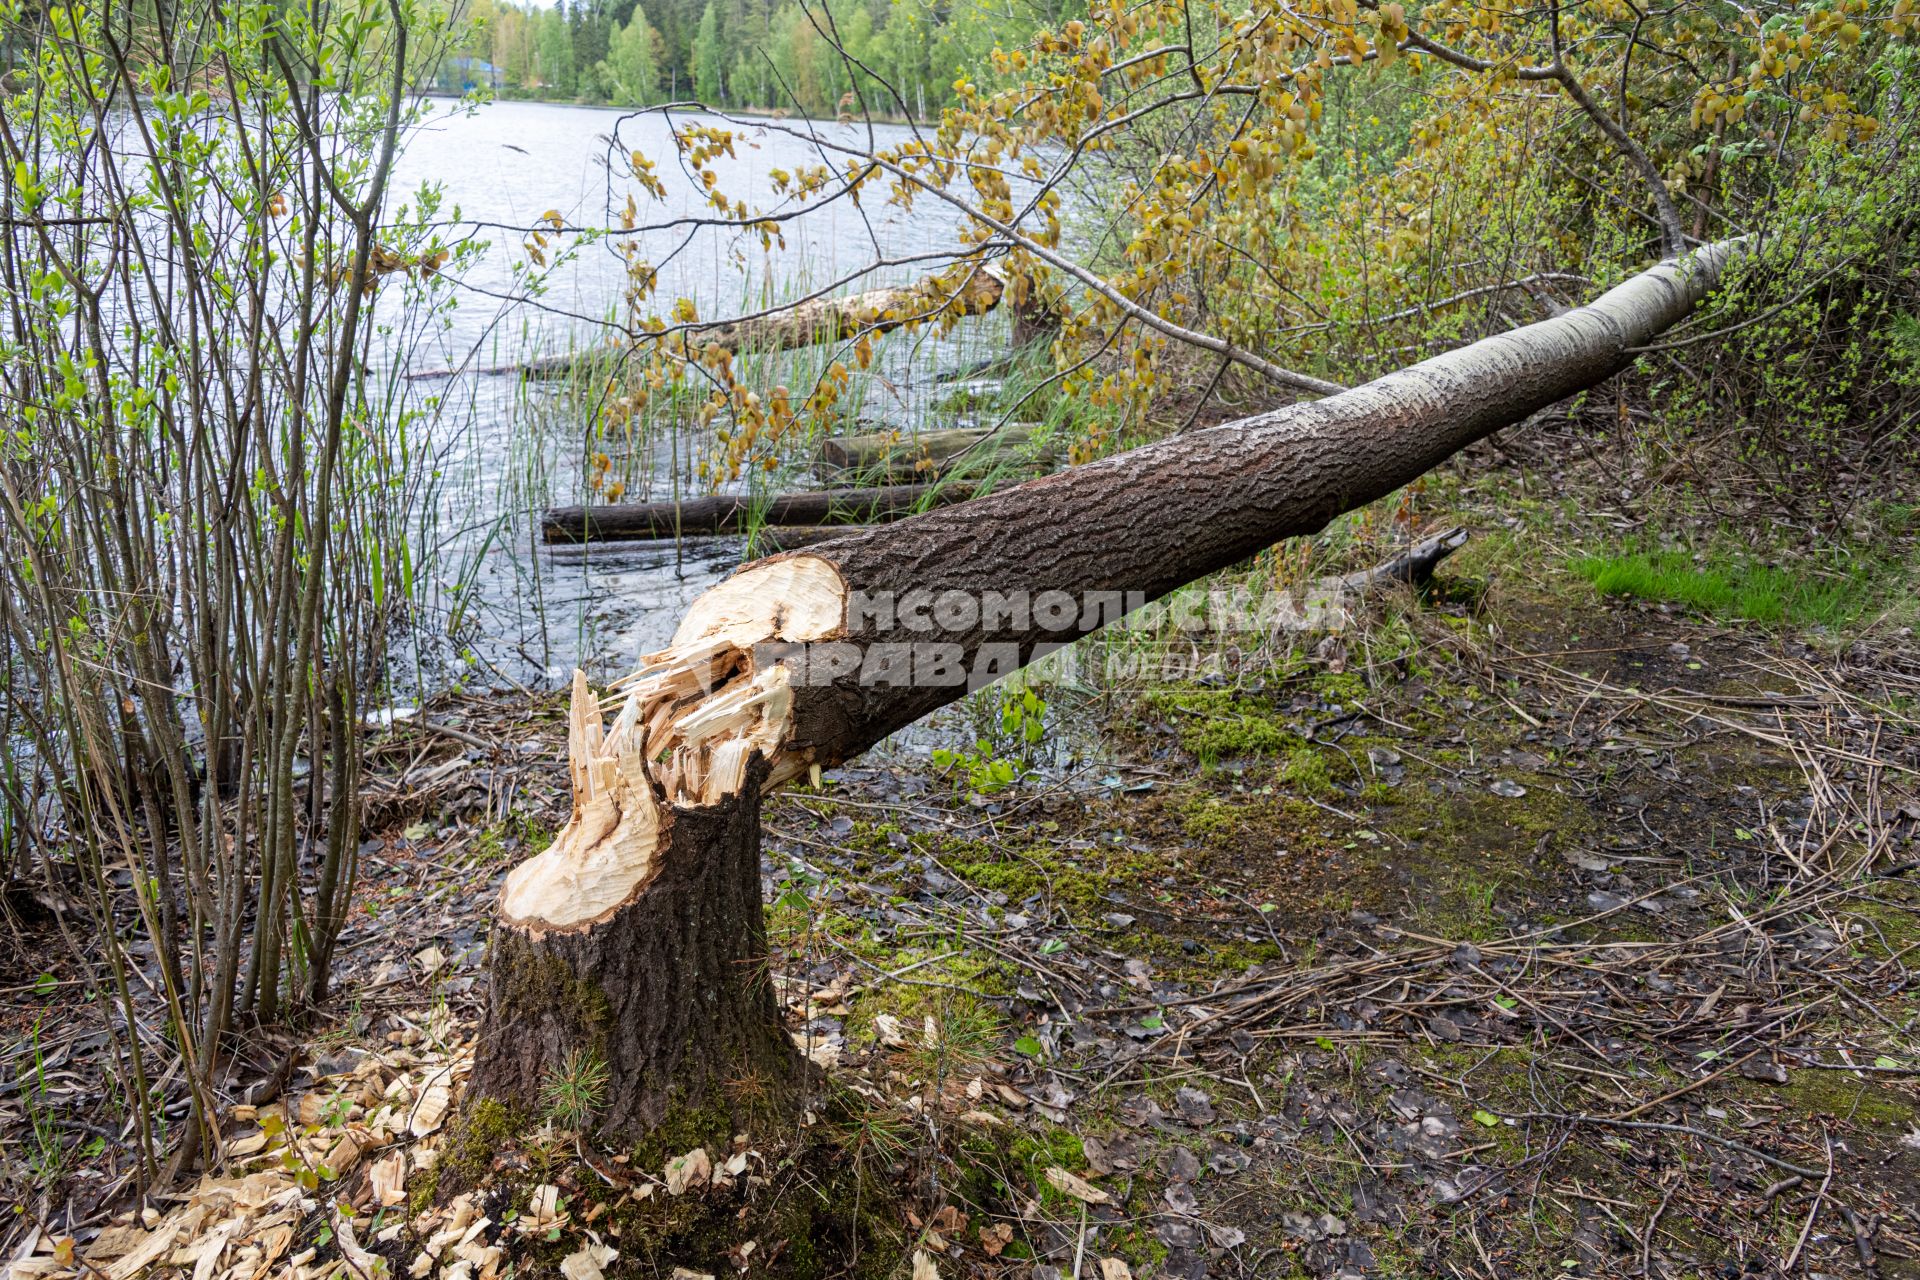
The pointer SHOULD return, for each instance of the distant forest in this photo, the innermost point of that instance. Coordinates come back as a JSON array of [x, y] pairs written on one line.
[[765, 54]]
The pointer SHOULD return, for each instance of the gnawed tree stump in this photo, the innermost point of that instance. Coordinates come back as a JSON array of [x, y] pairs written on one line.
[[808, 659], [634, 947]]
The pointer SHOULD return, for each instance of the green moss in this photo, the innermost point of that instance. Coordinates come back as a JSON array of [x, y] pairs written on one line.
[[1220, 724], [1218, 957], [1379, 793], [1139, 1247], [1474, 850], [709, 1124], [1306, 770], [1051, 1148], [482, 1128], [1872, 1103], [1888, 928], [1343, 687], [1021, 873], [1210, 818], [529, 979]]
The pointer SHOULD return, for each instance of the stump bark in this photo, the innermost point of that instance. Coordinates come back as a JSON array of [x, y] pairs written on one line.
[[664, 994]]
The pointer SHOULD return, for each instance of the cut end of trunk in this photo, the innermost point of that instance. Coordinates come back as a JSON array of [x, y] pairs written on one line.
[[691, 719]]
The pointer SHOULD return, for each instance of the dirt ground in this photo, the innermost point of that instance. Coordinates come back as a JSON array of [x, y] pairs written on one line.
[[1511, 933]]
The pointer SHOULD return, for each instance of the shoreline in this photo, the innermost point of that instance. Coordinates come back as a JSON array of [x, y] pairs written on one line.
[[753, 113]]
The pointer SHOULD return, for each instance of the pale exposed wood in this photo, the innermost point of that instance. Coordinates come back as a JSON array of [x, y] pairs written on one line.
[[604, 854], [690, 721], [797, 597]]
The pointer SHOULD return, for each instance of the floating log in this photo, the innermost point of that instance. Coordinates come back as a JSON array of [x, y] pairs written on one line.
[[898, 456], [804, 324], [876, 311], [725, 513]]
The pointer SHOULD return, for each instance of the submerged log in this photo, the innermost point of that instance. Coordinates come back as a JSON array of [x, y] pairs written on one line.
[[641, 521], [807, 659]]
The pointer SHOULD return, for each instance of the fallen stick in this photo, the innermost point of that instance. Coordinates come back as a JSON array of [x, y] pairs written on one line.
[[1415, 566], [640, 521]]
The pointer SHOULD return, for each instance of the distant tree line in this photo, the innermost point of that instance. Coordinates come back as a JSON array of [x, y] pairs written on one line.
[[760, 54]]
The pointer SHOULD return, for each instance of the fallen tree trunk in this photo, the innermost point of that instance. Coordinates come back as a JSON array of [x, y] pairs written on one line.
[[807, 659], [803, 324], [839, 319], [900, 457], [637, 521]]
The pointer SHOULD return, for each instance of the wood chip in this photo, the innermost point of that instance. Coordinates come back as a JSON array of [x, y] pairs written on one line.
[[693, 1169], [388, 1178], [209, 1259], [544, 1206], [342, 1156], [136, 1260], [586, 1263], [1079, 1188], [432, 1107]]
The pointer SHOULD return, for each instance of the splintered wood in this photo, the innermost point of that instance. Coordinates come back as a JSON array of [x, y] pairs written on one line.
[[690, 720]]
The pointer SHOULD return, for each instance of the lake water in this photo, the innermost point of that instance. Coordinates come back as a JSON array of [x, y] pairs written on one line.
[[504, 608]]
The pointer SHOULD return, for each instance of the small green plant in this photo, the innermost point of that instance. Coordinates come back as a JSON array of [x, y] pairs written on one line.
[[576, 1092], [49, 1160], [964, 1035], [992, 766]]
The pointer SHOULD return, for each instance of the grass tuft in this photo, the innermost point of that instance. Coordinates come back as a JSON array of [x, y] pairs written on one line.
[[1728, 587]]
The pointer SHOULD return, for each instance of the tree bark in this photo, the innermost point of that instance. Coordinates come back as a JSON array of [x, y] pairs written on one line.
[[806, 659], [840, 319]]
